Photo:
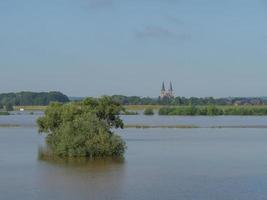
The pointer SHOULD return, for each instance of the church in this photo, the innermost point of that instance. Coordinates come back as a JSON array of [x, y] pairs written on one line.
[[166, 93]]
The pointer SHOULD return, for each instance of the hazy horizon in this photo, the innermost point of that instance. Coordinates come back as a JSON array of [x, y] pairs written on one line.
[[97, 47]]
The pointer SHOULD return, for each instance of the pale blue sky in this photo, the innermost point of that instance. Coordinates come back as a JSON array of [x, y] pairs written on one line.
[[95, 47]]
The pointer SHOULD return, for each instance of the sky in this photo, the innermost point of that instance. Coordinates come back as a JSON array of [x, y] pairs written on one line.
[[104, 47]]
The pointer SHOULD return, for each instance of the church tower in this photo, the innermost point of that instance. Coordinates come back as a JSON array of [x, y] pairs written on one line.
[[163, 91], [166, 94], [171, 91]]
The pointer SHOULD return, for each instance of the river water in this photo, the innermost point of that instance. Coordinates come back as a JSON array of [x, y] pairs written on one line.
[[171, 164]]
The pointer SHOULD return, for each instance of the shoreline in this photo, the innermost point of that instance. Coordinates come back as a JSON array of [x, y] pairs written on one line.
[[144, 126]]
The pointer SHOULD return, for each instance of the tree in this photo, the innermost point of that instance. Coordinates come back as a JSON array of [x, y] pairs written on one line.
[[8, 107], [32, 98], [105, 109], [84, 128]]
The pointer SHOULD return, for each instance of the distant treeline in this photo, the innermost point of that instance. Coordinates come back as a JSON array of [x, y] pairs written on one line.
[[212, 110], [135, 100], [31, 98]]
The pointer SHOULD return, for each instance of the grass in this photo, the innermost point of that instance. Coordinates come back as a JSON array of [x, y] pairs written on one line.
[[30, 108], [9, 125], [211, 110], [140, 126], [143, 126], [143, 107], [157, 107], [159, 126], [4, 113]]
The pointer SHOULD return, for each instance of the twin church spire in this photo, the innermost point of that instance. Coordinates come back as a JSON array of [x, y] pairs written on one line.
[[166, 93]]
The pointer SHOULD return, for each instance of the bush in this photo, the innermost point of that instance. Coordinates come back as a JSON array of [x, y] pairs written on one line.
[[148, 111], [4, 113], [83, 129]]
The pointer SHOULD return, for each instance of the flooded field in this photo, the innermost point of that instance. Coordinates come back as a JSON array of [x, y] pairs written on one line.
[[201, 163]]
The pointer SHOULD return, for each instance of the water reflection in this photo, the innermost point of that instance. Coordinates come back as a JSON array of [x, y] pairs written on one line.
[[87, 164], [44, 154], [101, 178]]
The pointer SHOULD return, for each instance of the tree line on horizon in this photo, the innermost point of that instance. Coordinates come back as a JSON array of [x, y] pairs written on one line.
[[31, 99], [45, 98], [183, 101]]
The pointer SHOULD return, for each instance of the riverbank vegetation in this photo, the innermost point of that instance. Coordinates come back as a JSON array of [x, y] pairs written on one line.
[[127, 112], [30, 108], [148, 111], [144, 126], [4, 113], [212, 110], [83, 129], [183, 101]]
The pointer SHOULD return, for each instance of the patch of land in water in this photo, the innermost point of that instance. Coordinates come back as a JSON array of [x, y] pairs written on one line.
[[190, 126], [143, 126], [159, 126], [30, 108], [143, 107], [9, 125]]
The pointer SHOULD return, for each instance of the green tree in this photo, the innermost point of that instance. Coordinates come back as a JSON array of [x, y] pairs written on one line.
[[8, 107], [84, 128], [105, 109]]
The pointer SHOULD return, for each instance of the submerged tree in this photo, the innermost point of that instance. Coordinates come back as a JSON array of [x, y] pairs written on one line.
[[84, 128]]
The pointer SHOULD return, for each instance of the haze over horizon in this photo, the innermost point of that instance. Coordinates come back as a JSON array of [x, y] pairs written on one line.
[[96, 47]]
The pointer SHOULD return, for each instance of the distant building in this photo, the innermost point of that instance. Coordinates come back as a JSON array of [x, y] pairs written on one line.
[[166, 93]]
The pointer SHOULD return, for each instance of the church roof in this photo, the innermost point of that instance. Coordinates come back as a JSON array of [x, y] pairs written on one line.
[[171, 89], [163, 87]]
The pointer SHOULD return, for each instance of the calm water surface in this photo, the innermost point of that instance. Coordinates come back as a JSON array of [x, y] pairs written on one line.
[[199, 164], [25, 119]]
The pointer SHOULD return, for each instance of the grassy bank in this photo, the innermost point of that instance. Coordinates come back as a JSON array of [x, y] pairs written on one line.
[[30, 108], [143, 107], [214, 110], [159, 126], [158, 107], [4, 113], [139, 126], [144, 126], [9, 125]]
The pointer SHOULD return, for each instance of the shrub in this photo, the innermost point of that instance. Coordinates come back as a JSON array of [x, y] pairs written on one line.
[[148, 111]]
